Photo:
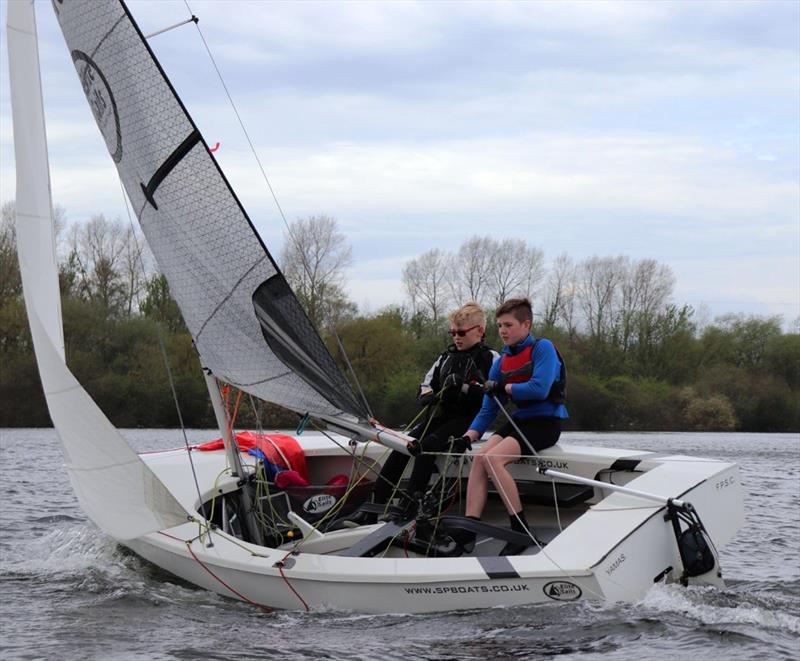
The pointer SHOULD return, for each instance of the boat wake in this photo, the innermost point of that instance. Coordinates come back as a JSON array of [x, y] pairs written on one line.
[[737, 605], [82, 559], [62, 551]]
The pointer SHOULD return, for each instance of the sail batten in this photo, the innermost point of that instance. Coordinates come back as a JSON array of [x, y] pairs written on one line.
[[217, 267]]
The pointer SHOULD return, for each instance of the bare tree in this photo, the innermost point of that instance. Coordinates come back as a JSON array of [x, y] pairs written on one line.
[[411, 284], [424, 281], [645, 288], [558, 298], [101, 252], [515, 270], [534, 271], [10, 283], [598, 281], [468, 274], [313, 259], [135, 260]]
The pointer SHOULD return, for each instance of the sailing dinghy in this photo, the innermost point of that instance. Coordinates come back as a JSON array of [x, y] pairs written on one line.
[[605, 523]]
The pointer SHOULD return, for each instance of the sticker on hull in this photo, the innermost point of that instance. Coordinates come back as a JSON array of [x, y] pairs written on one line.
[[562, 591]]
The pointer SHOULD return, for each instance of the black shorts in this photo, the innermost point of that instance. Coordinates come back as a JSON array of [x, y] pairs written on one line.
[[540, 432]]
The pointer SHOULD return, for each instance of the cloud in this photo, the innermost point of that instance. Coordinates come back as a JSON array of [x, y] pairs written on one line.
[[664, 130]]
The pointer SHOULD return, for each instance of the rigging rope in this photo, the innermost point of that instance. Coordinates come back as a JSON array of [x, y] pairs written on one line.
[[165, 357], [289, 232]]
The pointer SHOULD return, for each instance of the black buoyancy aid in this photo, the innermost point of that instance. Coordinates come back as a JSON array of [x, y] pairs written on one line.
[[519, 369], [466, 364]]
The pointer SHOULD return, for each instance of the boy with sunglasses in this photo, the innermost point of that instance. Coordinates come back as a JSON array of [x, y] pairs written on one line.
[[452, 391]]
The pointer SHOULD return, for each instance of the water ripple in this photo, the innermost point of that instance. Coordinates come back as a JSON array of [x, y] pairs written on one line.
[[71, 593]]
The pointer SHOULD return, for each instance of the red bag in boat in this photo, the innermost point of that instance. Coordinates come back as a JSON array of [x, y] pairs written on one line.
[[279, 449], [290, 479], [338, 481]]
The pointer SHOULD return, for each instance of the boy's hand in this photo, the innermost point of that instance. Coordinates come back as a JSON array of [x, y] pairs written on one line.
[[460, 444], [491, 387], [426, 397]]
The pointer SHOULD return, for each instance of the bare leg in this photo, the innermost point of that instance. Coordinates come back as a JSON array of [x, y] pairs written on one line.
[[496, 460], [478, 484]]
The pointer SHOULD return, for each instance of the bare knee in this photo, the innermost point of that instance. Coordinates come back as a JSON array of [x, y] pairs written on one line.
[[478, 465], [494, 463]]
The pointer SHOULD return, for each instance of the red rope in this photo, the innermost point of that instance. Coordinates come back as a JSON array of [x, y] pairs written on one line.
[[235, 412], [199, 562], [291, 587]]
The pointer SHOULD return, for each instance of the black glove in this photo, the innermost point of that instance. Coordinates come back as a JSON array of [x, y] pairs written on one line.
[[494, 387], [427, 399], [460, 444]]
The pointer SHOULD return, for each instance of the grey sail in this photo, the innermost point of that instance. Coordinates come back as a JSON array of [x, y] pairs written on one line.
[[246, 322]]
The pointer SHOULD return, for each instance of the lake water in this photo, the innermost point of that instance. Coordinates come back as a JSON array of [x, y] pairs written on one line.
[[68, 592]]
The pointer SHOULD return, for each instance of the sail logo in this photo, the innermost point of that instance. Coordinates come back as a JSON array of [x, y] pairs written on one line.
[[101, 101], [322, 502], [562, 591]]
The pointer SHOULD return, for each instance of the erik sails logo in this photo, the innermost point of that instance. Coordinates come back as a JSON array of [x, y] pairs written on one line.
[[562, 591], [320, 503], [101, 101]]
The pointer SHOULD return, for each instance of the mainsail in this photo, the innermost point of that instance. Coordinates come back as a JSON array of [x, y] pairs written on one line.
[[114, 487], [246, 322]]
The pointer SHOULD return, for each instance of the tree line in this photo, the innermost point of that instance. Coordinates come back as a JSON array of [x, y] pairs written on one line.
[[636, 359]]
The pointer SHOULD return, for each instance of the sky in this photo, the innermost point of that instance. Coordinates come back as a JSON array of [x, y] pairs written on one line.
[[656, 130]]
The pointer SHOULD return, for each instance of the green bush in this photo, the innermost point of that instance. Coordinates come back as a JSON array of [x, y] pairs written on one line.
[[713, 413]]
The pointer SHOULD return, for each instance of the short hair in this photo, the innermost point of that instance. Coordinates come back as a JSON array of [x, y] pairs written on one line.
[[468, 314], [519, 308]]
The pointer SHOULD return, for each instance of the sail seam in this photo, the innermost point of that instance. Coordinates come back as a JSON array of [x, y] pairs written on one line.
[[31, 215], [11, 28], [61, 391], [107, 35], [90, 469], [267, 380], [228, 295]]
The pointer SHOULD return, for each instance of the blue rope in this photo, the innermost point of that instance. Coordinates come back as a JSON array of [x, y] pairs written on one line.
[[301, 426]]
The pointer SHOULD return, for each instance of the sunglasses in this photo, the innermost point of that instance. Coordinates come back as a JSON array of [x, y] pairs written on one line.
[[461, 333]]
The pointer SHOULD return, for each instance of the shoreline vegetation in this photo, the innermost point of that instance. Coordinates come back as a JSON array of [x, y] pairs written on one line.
[[636, 361]]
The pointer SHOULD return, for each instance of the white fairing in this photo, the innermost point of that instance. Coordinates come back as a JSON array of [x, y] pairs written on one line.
[[114, 487]]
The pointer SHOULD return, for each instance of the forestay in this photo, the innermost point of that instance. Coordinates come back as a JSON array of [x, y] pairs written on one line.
[[246, 322], [114, 487]]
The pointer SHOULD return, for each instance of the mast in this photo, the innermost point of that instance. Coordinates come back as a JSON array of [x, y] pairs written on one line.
[[232, 453]]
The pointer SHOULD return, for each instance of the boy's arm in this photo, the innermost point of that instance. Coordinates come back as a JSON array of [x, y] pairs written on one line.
[[488, 410], [430, 382], [473, 392], [546, 370]]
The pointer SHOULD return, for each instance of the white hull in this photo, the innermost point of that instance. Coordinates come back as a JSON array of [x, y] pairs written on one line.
[[612, 548]]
